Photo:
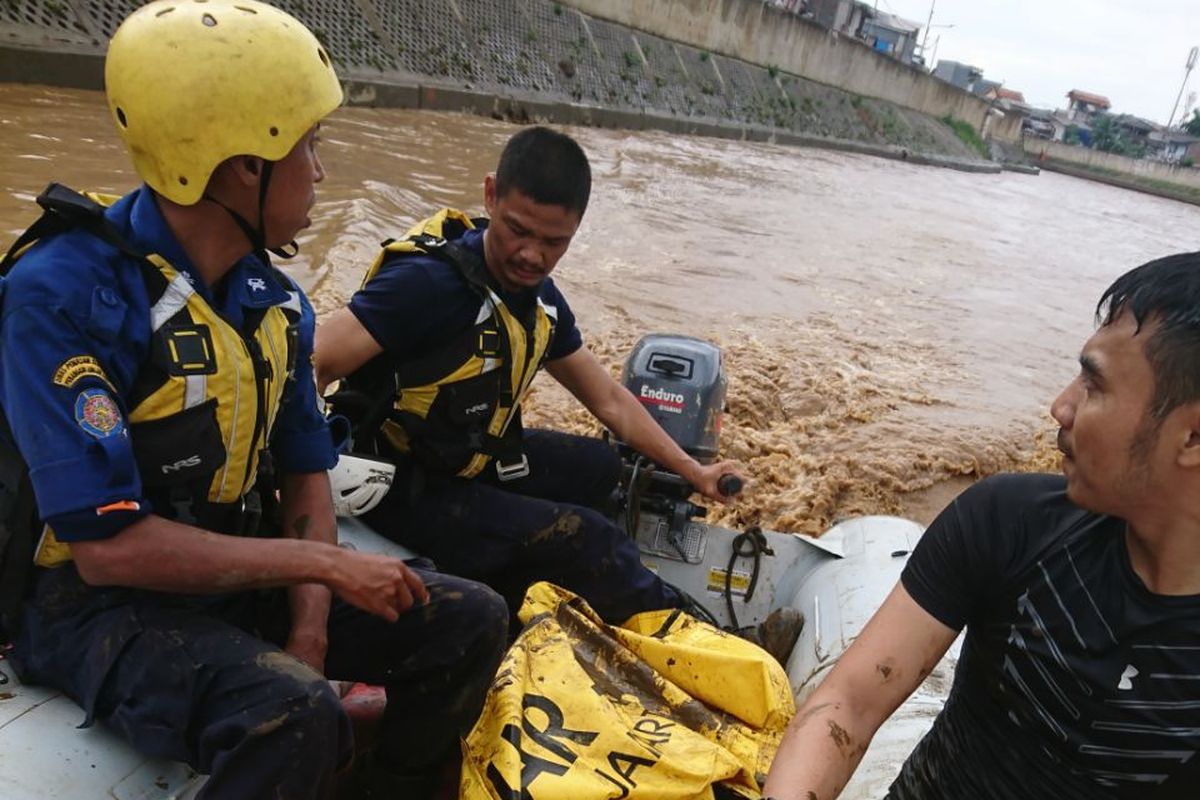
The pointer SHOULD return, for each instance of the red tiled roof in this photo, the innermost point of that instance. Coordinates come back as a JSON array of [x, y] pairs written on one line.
[[1010, 94], [1098, 100]]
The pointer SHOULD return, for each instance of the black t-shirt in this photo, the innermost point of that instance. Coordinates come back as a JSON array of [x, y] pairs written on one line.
[[415, 305], [1075, 681]]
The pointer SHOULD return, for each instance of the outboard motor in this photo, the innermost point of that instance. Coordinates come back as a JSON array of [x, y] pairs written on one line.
[[681, 382]]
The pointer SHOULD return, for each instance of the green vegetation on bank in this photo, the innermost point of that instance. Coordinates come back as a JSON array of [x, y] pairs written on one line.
[[967, 133], [1155, 186]]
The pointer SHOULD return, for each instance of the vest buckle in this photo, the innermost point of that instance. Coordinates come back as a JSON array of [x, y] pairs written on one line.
[[512, 470]]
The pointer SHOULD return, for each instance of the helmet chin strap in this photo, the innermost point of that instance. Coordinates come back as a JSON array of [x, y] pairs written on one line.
[[257, 236]]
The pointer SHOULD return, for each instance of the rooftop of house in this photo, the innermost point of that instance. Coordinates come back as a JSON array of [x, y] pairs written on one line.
[[983, 86], [895, 23], [955, 64], [1173, 137], [1130, 122], [1067, 122], [1009, 94], [1098, 100]]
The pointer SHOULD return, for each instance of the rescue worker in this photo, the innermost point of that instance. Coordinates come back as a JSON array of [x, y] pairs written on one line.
[[448, 330], [154, 363]]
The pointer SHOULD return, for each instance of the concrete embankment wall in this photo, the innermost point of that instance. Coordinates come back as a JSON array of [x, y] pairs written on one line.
[[770, 37], [1110, 162], [540, 59]]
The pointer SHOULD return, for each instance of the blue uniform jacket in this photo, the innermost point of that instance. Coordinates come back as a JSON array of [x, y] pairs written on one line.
[[77, 297]]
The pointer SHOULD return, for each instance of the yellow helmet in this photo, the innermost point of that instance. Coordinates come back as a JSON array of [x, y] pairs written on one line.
[[191, 83]]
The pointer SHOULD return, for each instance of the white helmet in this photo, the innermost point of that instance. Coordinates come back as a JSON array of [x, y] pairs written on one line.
[[359, 483]]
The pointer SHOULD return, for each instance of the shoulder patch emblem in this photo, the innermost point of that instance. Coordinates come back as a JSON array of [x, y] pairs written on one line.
[[97, 413], [76, 368]]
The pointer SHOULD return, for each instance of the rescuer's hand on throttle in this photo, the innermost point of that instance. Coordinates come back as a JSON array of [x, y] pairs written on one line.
[[381, 585], [707, 479]]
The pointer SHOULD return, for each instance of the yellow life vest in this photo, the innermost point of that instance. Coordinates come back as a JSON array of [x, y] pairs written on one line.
[[458, 407], [211, 392], [201, 408]]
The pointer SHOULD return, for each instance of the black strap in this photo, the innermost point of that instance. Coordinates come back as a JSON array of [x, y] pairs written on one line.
[[505, 447], [367, 398], [187, 504], [474, 270], [450, 451], [258, 236], [65, 209]]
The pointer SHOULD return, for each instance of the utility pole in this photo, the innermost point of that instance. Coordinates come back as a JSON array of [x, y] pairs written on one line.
[[928, 22], [1191, 62]]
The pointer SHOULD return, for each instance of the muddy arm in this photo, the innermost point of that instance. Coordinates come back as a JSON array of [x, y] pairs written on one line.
[[830, 733], [162, 555], [308, 515]]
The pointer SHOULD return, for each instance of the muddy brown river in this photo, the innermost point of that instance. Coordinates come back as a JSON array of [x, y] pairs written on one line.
[[891, 332]]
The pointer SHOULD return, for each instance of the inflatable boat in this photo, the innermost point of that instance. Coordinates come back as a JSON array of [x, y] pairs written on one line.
[[736, 580]]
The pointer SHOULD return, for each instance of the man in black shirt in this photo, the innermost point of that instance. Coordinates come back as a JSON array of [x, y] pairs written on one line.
[[1080, 595]]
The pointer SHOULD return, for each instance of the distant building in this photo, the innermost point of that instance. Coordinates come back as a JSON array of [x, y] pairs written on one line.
[[1012, 103], [1070, 131], [1174, 147], [1136, 130], [844, 16], [794, 6], [1083, 105], [961, 75], [1039, 122], [1010, 95], [885, 33], [970, 78], [895, 36], [985, 88]]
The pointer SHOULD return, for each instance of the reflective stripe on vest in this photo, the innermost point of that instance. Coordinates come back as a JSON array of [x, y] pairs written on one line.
[[231, 380]]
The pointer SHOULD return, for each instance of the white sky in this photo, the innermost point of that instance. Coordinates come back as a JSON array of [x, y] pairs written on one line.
[[1131, 51]]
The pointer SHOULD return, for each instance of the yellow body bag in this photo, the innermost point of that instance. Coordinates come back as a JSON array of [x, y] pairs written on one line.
[[661, 707]]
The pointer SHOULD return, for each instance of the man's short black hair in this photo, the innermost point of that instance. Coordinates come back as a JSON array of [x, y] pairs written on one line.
[[546, 166], [1165, 292]]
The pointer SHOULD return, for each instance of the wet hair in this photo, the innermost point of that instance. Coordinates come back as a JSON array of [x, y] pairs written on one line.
[[546, 166], [1165, 292]]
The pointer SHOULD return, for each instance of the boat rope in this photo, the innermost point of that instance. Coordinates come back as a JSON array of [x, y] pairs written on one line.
[[751, 543]]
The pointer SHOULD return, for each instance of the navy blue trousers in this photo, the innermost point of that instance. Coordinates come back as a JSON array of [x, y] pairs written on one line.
[[546, 526], [194, 679]]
